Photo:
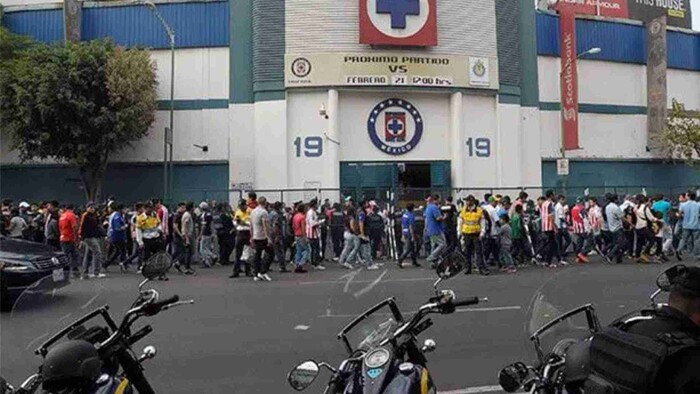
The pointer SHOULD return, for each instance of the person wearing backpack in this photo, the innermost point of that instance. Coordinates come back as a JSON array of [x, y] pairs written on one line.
[[661, 353]]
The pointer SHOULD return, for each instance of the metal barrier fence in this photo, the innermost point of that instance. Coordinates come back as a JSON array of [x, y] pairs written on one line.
[[417, 195]]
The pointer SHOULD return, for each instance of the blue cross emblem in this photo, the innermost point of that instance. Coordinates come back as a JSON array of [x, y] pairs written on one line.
[[395, 126], [398, 10]]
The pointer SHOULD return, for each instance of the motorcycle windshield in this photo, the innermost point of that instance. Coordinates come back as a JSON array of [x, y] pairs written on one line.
[[553, 323], [39, 312], [372, 330]]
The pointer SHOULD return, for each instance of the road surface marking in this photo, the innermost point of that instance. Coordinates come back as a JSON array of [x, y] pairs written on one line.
[[330, 282], [474, 390], [350, 276], [462, 310], [370, 286], [301, 327], [87, 304]]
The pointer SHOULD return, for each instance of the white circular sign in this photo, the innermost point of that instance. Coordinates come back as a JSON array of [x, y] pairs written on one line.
[[414, 23]]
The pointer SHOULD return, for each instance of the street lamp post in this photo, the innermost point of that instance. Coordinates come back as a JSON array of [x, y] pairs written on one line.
[[169, 134], [562, 148]]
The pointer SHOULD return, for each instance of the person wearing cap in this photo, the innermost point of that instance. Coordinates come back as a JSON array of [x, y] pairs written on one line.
[[472, 224], [206, 237], [679, 373], [17, 226], [449, 210], [409, 236], [91, 237]]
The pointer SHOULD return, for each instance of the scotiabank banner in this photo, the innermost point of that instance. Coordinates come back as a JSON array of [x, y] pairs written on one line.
[[569, 79], [677, 11]]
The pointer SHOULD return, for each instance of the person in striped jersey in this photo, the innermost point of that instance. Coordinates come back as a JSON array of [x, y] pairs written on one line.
[[580, 228], [547, 216]]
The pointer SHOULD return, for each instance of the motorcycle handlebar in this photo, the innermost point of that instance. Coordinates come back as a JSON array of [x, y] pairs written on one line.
[[154, 308], [466, 302]]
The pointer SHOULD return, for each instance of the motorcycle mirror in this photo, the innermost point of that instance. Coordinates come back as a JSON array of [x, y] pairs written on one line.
[[301, 376], [666, 278], [511, 377], [148, 353], [429, 346], [157, 266], [450, 266]]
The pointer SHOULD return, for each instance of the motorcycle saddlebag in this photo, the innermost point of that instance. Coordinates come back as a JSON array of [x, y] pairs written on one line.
[[624, 363]]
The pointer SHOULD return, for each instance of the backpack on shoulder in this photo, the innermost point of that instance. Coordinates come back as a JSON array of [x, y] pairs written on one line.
[[626, 363]]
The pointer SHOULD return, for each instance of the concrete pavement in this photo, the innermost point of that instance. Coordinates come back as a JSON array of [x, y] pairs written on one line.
[[243, 336]]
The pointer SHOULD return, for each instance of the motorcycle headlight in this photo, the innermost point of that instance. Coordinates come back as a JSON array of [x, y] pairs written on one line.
[[13, 267]]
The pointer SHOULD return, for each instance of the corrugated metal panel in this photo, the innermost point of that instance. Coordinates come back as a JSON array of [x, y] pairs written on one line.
[[268, 39], [42, 25], [620, 42], [195, 25], [683, 50], [317, 26], [508, 30]]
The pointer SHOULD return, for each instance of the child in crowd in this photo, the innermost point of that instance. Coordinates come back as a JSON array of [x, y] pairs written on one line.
[[505, 238]]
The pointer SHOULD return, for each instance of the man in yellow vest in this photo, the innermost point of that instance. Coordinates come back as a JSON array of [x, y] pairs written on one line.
[[473, 227]]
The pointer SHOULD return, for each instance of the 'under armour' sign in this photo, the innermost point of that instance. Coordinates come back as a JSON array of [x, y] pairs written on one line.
[[398, 22]]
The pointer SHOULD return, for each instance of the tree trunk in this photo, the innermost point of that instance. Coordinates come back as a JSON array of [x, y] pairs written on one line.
[[93, 178]]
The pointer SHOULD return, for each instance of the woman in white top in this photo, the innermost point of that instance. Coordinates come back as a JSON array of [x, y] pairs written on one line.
[[645, 235]]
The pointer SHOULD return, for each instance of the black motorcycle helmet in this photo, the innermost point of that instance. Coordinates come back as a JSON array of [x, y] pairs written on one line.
[[71, 367], [686, 281]]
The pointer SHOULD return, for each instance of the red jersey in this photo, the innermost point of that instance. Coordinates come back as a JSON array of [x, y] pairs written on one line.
[[298, 224], [577, 219], [68, 226], [547, 216]]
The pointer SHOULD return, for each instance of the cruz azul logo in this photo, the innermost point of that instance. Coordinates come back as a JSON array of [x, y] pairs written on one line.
[[398, 22], [395, 126]]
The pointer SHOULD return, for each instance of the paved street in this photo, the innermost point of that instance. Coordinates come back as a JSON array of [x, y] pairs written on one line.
[[243, 336]]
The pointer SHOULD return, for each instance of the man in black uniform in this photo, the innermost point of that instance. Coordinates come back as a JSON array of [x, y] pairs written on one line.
[[680, 373], [450, 223]]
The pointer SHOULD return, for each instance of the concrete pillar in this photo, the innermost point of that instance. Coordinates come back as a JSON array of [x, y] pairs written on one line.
[[332, 171], [456, 140]]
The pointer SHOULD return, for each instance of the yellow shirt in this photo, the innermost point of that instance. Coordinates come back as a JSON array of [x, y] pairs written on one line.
[[149, 225], [242, 219], [471, 220]]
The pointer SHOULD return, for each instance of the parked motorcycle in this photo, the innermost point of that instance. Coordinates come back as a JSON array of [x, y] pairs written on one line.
[[562, 345], [116, 367], [384, 355]]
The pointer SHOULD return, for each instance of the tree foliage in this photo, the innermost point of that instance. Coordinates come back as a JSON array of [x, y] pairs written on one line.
[[681, 138], [77, 103]]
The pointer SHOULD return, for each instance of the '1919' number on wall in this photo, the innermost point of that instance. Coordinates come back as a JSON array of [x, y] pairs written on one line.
[[479, 147], [312, 146]]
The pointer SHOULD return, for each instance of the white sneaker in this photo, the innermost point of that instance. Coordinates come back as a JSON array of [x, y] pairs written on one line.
[[100, 275], [266, 277], [336, 259], [348, 266], [319, 267], [258, 277], [563, 262], [373, 267]]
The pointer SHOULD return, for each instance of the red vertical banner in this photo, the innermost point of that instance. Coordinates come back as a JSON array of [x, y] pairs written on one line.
[[569, 79]]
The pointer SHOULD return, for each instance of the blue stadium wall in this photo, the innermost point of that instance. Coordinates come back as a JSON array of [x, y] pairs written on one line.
[[129, 182], [198, 25], [683, 54]]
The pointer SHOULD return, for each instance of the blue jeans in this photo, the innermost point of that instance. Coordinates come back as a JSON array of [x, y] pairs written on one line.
[[690, 242], [302, 251], [351, 248], [438, 243], [93, 246], [71, 252]]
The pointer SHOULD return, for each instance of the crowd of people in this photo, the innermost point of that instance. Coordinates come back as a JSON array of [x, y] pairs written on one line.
[[496, 233]]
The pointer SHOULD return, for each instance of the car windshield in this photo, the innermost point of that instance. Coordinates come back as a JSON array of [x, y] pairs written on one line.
[[372, 330]]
